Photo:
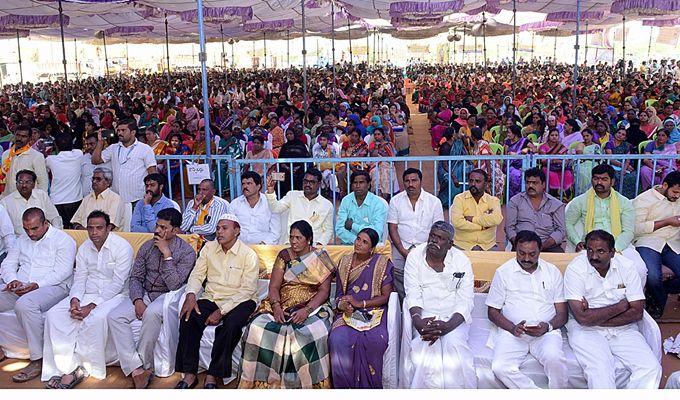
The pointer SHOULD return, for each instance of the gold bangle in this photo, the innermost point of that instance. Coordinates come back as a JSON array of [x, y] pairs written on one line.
[[364, 303]]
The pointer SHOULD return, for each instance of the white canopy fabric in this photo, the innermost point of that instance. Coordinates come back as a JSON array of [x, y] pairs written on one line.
[[396, 17]]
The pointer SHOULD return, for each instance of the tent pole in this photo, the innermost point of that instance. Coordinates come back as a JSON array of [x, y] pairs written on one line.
[[533, 36], [264, 37], [202, 57], [106, 57], [167, 47], [21, 69], [463, 56], [232, 53], [75, 53], [514, 46], [63, 48], [333, 47], [368, 35], [304, 64], [555, 48], [475, 52], [484, 39], [374, 36], [454, 45], [349, 37], [623, 70], [649, 46], [578, 32], [127, 54], [288, 47], [585, 56], [222, 40]]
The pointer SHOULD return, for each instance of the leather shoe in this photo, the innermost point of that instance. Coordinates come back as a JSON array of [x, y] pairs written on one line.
[[142, 380], [210, 385], [184, 385]]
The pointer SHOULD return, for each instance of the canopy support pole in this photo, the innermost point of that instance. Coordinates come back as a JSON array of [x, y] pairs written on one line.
[[555, 47], [232, 53], [21, 68], [475, 52], [75, 53], [454, 45], [585, 56], [106, 56], [223, 53], [127, 54], [202, 57], [368, 53], [264, 37], [167, 48], [349, 37], [288, 47], [305, 101], [649, 46], [484, 39], [533, 36], [623, 69], [576, 48], [463, 56], [333, 48], [514, 46], [63, 49], [374, 36]]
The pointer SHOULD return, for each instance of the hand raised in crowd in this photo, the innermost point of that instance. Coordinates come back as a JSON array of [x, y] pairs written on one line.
[[162, 245], [271, 184], [198, 200]]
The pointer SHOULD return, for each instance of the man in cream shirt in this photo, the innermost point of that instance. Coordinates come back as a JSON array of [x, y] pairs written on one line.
[[605, 297], [37, 274], [305, 205], [27, 196], [526, 302], [76, 328], [439, 296], [657, 239], [100, 198]]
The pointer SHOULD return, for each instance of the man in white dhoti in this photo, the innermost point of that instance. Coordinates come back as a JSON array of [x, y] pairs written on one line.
[[163, 264], [439, 296], [76, 331], [605, 297], [38, 271], [526, 301]]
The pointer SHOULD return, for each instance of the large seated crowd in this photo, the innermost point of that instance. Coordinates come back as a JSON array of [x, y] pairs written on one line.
[[83, 156]]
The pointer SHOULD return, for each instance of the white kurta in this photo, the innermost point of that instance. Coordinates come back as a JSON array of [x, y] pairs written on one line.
[[596, 347], [448, 364], [101, 278], [530, 297]]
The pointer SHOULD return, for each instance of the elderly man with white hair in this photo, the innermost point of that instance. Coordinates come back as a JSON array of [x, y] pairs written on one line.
[[439, 297]]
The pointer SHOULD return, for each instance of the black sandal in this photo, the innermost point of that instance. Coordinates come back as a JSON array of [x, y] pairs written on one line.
[[210, 385], [53, 383], [79, 375], [183, 385]]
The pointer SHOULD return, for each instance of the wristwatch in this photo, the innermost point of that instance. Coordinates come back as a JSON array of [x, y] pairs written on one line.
[[550, 327]]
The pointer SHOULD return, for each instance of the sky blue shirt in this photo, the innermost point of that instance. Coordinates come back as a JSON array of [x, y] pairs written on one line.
[[144, 215], [371, 214]]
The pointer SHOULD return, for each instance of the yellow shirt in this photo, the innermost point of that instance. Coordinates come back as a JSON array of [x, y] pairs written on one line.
[[231, 276], [107, 201], [486, 216]]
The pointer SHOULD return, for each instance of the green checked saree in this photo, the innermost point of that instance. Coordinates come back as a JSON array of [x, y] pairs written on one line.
[[290, 355]]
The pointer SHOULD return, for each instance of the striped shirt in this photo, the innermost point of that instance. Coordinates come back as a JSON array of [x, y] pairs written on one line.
[[218, 207], [129, 165]]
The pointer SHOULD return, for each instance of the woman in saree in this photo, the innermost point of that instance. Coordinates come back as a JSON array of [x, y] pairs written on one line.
[[258, 152], [557, 181], [359, 337], [619, 145], [175, 148], [382, 172], [654, 118], [440, 123], [515, 144], [286, 344], [492, 167], [645, 125], [671, 125], [354, 146], [584, 167], [602, 132], [652, 172], [451, 181]]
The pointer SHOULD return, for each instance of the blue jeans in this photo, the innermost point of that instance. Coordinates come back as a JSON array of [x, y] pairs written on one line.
[[656, 287]]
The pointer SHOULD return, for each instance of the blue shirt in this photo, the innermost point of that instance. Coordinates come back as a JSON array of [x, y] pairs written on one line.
[[371, 214], [144, 215]]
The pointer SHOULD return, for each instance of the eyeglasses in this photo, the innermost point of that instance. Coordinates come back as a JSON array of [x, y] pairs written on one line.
[[97, 179], [310, 181], [22, 182]]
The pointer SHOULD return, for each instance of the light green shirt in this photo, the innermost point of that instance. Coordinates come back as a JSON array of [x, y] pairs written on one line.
[[576, 218]]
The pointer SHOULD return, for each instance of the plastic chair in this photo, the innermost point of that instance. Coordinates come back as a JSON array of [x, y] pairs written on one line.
[[642, 145], [532, 137], [497, 148], [650, 102]]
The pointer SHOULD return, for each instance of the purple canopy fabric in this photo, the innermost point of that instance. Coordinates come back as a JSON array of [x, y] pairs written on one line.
[[489, 7], [278, 25], [401, 22], [6, 33], [31, 21], [570, 16], [661, 22], [122, 31], [646, 7], [90, 1], [539, 26], [418, 9], [219, 14]]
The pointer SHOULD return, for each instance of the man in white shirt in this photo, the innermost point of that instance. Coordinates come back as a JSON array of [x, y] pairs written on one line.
[[27, 196], [526, 301], [7, 236], [66, 169], [258, 224], [305, 205], [100, 198], [439, 296], [76, 328], [131, 161], [606, 300], [23, 157], [410, 215], [201, 214], [657, 239], [37, 273]]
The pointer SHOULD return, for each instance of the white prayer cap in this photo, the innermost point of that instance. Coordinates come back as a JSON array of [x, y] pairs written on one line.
[[229, 217]]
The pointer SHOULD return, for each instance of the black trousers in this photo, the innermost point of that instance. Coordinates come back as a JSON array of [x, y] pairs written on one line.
[[227, 336], [67, 211]]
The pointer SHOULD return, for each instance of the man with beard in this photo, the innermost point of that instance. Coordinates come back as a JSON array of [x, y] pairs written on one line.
[[537, 211], [21, 156], [145, 212], [526, 301], [657, 239], [360, 209], [163, 264], [476, 214], [602, 207], [605, 297], [439, 296], [260, 225]]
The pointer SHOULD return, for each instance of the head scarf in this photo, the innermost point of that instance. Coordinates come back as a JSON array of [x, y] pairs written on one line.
[[674, 135]]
